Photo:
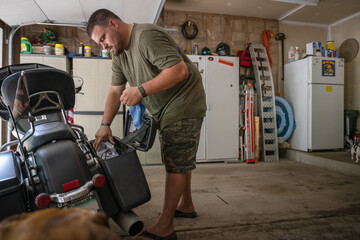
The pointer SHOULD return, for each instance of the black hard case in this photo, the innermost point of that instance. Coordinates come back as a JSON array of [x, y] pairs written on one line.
[[127, 179], [11, 185]]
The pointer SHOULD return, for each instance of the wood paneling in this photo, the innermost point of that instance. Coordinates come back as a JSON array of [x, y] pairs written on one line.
[[235, 31], [69, 36]]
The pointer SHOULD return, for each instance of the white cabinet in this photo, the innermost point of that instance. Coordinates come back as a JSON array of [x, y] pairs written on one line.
[[90, 105], [219, 139], [59, 62]]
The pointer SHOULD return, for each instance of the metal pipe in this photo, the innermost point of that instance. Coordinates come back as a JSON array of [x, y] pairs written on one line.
[[161, 6], [129, 222], [11, 37], [10, 51]]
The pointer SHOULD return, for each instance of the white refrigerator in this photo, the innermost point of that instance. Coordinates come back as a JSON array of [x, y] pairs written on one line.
[[219, 138], [314, 87]]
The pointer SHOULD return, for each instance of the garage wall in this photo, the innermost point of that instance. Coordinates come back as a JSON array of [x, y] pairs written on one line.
[[339, 33], [299, 35], [215, 28]]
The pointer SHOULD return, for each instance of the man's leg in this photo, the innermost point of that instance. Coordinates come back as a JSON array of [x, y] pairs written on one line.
[[186, 204], [179, 143], [174, 187]]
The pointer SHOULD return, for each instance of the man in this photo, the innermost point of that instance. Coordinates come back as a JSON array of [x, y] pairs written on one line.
[[164, 79]]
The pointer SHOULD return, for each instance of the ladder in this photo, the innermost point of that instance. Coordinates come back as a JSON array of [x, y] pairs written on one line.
[[266, 97]]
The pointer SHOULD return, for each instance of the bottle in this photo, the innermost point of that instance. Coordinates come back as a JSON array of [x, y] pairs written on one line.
[[81, 49], [26, 46], [195, 51], [87, 52], [291, 54], [297, 54]]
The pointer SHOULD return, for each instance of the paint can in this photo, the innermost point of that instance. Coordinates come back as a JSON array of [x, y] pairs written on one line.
[[87, 51], [330, 45]]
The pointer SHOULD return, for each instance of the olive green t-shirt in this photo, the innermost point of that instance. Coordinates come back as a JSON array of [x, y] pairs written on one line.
[[151, 50]]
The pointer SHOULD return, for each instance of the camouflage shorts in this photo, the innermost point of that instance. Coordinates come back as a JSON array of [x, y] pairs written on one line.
[[179, 143]]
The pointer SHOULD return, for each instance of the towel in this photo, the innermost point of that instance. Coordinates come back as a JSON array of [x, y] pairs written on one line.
[[137, 113]]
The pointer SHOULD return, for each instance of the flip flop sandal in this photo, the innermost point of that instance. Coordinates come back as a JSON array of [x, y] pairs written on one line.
[[185, 215], [146, 234]]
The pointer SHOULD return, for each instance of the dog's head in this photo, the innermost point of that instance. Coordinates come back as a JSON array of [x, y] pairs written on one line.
[[56, 224]]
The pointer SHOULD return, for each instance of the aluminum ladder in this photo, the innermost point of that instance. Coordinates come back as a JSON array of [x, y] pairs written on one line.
[[266, 98]]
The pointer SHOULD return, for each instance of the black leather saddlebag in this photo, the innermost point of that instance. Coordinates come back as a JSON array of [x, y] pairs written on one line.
[[12, 197]]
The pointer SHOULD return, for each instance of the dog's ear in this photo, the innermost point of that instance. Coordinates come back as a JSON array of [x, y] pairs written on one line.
[[8, 224]]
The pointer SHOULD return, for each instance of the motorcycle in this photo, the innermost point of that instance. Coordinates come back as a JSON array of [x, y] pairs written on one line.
[[54, 165]]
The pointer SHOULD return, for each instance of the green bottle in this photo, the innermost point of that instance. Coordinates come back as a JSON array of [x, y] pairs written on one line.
[[26, 47]]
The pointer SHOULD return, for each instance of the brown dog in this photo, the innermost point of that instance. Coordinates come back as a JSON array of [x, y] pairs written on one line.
[[56, 224]]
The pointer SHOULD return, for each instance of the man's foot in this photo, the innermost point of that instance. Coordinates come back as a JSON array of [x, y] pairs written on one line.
[[146, 235], [179, 214]]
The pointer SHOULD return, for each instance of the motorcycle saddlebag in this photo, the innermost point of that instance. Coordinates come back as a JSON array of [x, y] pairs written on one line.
[[127, 179], [12, 197]]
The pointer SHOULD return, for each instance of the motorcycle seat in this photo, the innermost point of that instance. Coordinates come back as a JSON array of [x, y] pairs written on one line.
[[48, 132]]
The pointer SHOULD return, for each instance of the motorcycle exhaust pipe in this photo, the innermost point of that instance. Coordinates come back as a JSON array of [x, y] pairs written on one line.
[[129, 222]]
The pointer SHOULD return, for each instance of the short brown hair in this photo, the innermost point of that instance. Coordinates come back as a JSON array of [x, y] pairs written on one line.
[[100, 17]]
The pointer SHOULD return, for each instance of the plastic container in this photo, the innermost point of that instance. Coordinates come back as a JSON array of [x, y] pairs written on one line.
[[105, 53], [47, 50], [87, 52], [59, 49], [26, 47]]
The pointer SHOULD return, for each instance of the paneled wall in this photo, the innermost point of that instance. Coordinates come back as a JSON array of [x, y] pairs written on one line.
[[340, 33], [235, 31], [69, 36]]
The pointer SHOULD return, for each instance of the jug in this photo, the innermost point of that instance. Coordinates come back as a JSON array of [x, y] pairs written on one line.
[[25, 46]]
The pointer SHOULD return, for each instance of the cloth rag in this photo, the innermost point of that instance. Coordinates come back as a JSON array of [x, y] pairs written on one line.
[[137, 113]]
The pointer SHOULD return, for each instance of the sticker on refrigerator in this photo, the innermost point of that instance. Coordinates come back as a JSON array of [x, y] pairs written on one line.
[[226, 62], [328, 68], [328, 88]]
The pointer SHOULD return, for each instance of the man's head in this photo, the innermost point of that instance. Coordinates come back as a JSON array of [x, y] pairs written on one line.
[[105, 28]]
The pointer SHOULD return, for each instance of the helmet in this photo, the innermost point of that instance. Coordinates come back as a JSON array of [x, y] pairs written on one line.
[[206, 51], [223, 49]]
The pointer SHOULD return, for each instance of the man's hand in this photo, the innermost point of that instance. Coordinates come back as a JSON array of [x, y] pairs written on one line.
[[131, 96], [104, 132]]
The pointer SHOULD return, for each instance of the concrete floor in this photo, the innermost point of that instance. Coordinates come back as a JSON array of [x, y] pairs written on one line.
[[273, 200]]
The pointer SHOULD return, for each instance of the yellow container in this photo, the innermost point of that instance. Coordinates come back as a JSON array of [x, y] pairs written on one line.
[[59, 49], [87, 51], [330, 45]]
